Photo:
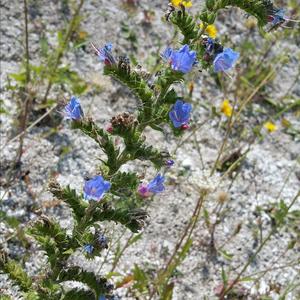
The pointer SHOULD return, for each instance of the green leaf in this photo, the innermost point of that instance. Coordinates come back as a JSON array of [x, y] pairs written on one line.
[[224, 277], [15, 272], [226, 255], [70, 197]]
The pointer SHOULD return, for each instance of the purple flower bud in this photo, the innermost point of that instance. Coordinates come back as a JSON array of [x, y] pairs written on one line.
[[88, 248], [225, 60], [109, 128], [180, 113], [95, 188], [73, 110], [180, 60], [143, 191]]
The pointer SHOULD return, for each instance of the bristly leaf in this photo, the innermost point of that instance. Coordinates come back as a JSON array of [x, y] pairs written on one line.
[[123, 184], [136, 84], [97, 284], [79, 294], [70, 197], [15, 272], [132, 219], [257, 8], [52, 238]]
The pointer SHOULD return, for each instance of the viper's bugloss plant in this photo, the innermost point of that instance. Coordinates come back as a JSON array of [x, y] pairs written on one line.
[[113, 195]]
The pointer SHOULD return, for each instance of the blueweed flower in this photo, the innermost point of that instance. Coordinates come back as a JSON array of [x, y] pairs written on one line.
[[102, 297], [88, 248], [180, 60], [155, 186], [73, 110], [180, 113], [225, 60], [104, 54], [95, 188]]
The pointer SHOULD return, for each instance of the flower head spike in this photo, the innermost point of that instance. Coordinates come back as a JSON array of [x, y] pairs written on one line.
[[181, 60], [73, 110], [177, 3], [153, 187], [180, 113], [226, 108], [225, 60], [105, 54], [88, 248], [95, 188]]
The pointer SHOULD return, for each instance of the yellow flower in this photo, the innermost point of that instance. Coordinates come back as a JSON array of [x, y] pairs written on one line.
[[270, 126], [226, 108], [184, 3], [211, 30]]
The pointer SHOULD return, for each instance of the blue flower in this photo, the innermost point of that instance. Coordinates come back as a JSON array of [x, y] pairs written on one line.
[[225, 60], [180, 60], [88, 248], [105, 54], [102, 297], [95, 188], [180, 113], [157, 184], [153, 187], [73, 110]]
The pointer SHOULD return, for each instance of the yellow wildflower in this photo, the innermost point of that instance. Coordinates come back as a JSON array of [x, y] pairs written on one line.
[[270, 126], [184, 3], [211, 30], [226, 108]]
